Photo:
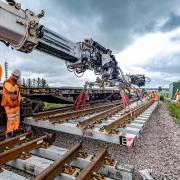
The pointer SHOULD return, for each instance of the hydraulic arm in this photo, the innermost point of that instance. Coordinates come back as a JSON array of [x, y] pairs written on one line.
[[21, 29]]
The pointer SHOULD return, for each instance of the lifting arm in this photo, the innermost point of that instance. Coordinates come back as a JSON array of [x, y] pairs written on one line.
[[22, 30]]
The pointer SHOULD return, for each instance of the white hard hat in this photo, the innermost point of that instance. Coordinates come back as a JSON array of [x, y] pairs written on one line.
[[17, 73]]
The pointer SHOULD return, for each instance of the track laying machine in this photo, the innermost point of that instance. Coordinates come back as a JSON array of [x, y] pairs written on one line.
[[21, 30]]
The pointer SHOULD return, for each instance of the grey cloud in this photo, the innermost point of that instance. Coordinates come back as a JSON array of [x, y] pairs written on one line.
[[112, 23], [167, 69], [175, 38], [120, 20], [172, 23], [168, 64], [37, 64], [156, 82]]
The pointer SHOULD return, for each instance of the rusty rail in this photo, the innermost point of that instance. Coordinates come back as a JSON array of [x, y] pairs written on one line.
[[56, 168], [94, 166], [14, 141], [128, 116], [26, 147], [46, 114], [75, 114], [101, 116], [98, 117]]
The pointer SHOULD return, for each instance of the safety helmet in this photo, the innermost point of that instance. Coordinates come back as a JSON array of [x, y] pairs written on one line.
[[16, 73]]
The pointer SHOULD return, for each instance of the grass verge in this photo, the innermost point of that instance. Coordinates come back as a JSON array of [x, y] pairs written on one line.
[[174, 111], [50, 105]]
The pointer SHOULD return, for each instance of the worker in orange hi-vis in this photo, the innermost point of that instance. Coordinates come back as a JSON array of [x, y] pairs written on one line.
[[178, 98], [125, 100], [154, 96], [11, 101]]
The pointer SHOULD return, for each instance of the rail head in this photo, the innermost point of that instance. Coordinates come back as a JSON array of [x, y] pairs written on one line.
[[56, 168], [94, 166], [75, 114], [14, 141], [128, 116], [26, 147], [91, 120]]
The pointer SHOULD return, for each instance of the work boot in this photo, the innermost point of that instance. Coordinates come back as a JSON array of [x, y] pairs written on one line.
[[16, 133], [9, 135], [2, 136]]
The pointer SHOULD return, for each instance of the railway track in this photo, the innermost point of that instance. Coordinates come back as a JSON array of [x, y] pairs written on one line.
[[107, 122], [66, 110], [80, 113], [45, 161]]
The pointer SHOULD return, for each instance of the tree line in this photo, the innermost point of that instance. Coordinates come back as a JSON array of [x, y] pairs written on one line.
[[38, 82]]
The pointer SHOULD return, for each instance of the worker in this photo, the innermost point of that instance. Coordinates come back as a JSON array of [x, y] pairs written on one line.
[[178, 98], [11, 101], [125, 100], [154, 95]]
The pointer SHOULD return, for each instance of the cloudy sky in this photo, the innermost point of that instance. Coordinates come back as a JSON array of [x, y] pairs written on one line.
[[143, 34]]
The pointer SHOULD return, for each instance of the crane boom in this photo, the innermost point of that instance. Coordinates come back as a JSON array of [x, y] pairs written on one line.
[[21, 29]]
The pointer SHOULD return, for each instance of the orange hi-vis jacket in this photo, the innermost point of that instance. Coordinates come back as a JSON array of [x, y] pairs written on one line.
[[178, 99], [11, 101], [11, 94], [154, 96]]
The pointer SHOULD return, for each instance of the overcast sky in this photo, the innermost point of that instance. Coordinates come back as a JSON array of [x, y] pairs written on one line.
[[143, 34]]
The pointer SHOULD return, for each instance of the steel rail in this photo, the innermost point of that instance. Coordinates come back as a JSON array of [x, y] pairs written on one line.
[[57, 107], [46, 114], [56, 168], [26, 147], [75, 114], [121, 121], [94, 166], [98, 117], [14, 141]]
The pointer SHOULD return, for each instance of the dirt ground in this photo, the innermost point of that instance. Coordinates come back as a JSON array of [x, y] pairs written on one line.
[[158, 147]]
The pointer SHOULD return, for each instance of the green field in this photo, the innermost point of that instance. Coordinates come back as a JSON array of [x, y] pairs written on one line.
[[50, 105], [174, 110]]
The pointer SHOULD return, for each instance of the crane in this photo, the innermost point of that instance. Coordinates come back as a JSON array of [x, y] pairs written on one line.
[[22, 30]]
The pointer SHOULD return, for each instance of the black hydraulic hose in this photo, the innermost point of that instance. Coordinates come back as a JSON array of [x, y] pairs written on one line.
[[11, 2]]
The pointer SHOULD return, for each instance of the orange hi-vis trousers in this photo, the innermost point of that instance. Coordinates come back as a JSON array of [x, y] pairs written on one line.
[[13, 118]]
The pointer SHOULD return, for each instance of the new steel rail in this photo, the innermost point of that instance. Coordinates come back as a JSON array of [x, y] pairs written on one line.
[[124, 119], [75, 114], [86, 174], [94, 166], [56, 168], [26, 147], [14, 141], [98, 117], [65, 165], [46, 114], [89, 122]]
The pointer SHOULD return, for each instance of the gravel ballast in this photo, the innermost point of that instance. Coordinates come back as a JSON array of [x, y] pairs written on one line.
[[158, 147]]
